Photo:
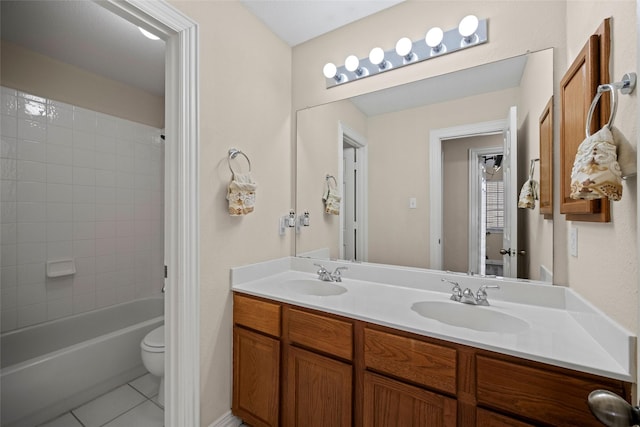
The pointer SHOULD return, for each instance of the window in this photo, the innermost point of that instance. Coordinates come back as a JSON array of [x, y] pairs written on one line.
[[495, 205]]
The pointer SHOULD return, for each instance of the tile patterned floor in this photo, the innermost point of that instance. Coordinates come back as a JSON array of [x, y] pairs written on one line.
[[133, 404]]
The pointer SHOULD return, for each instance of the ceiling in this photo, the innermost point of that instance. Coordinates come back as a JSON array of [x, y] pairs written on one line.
[[85, 34]]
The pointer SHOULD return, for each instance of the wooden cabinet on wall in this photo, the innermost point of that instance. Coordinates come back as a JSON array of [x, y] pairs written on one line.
[[577, 90], [298, 368]]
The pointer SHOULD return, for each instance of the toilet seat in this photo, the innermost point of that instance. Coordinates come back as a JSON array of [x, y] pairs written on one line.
[[153, 342]]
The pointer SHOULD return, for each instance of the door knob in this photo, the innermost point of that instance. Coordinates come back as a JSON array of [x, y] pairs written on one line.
[[505, 251]]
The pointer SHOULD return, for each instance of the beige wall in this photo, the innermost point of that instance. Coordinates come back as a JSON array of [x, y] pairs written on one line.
[[606, 268], [318, 140], [455, 198], [245, 102], [41, 75], [398, 159], [535, 233]]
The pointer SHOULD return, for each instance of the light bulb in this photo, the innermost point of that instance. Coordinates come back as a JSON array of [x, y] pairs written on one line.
[[351, 63], [403, 47], [434, 37], [376, 56], [468, 26], [330, 70]]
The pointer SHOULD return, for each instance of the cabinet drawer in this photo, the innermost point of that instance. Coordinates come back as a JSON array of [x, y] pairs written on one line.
[[256, 314], [548, 396], [490, 419], [417, 361], [321, 333]]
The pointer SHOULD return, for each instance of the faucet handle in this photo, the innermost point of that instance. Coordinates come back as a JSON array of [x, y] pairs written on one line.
[[322, 268], [482, 292], [337, 276], [456, 290]]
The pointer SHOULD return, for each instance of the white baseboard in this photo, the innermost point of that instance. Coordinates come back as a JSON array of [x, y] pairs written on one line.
[[227, 420]]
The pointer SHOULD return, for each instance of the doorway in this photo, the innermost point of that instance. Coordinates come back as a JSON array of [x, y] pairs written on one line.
[[353, 212], [182, 315]]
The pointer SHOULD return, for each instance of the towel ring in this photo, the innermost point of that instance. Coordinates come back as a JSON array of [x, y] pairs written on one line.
[[328, 177], [233, 153], [532, 166], [626, 86]]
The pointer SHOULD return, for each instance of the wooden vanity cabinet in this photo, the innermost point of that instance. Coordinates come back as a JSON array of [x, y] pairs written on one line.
[[296, 367], [256, 361], [319, 384]]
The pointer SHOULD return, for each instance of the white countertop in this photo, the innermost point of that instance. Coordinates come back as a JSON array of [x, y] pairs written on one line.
[[563, 329]]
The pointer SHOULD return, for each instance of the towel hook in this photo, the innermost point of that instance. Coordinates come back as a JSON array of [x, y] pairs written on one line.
[[233, 153], [626, 86]]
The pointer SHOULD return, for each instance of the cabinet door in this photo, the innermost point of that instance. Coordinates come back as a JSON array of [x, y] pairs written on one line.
[[319, 391], [256, 373], [390, 403]]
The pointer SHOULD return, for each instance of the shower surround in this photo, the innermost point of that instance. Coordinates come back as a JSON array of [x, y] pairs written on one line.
[[82, 185]]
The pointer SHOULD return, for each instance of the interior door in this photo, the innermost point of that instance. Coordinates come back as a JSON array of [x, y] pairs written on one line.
[[510, 177], [349, 225]]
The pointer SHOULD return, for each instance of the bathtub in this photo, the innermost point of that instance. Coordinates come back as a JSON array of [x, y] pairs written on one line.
[[50, 368]]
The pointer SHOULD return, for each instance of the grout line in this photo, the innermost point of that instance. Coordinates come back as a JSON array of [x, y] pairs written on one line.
[[77, 419]]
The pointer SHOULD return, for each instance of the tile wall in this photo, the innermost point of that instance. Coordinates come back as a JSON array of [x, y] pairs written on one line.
[[81, 185]]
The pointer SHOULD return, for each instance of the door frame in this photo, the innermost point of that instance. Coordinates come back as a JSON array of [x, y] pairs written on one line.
[[362, 191], [436, 138], [182, 255]]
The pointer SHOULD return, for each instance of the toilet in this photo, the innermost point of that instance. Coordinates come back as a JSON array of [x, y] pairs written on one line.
[[152, 351]]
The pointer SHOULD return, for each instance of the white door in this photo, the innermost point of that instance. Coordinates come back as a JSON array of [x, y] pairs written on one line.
[[509, 161], [350, 223]]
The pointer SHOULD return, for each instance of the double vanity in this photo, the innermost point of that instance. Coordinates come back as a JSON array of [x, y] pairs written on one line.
[[389, 346]]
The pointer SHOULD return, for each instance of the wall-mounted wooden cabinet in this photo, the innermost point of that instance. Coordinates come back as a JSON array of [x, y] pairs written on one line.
[[577, 90], [546, 160], [322, 370]]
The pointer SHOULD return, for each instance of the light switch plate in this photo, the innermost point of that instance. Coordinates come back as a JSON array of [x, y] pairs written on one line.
[[573, 241], [412, 203]]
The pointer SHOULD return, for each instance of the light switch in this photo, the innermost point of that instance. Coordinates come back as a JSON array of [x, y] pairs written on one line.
[[412, 203], [573, 241]]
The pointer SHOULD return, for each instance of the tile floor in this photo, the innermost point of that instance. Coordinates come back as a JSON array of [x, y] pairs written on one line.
[[132, 404]]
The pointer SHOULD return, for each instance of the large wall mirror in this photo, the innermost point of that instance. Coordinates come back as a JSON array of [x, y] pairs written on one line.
[[380, 153]]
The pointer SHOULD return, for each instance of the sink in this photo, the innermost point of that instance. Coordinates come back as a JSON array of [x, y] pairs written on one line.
[[470, 316], [314, 287]]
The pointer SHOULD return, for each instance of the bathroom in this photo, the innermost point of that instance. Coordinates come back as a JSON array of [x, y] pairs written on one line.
[[287, 81]]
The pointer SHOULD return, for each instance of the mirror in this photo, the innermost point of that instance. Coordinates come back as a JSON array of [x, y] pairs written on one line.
[[373, 152]]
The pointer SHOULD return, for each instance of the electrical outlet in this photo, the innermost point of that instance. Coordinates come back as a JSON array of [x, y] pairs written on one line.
[[573, 241], [412, 203]]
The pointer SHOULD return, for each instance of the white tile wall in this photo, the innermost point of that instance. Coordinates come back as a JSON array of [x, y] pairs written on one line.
[[76, 184]]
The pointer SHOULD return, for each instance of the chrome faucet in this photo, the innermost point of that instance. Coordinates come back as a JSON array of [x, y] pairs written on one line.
[[467, 296], [326, 276], [456, 291]]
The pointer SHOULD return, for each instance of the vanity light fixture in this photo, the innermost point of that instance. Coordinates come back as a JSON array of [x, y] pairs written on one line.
[[404, 48], [433, 39], [470, 32], [352, 63], [376, 57]]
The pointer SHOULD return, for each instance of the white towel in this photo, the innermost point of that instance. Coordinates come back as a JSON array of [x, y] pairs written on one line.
[[331, 199], [596, 173], [528, 194], [241, 194]]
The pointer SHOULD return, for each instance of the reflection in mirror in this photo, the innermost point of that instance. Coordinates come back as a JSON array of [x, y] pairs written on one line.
[[377, 146]]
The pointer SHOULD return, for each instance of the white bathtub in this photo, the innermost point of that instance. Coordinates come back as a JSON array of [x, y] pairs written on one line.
[[50, 368]]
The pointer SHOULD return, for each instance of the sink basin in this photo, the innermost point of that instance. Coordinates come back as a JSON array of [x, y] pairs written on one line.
[[314, 287], [469, 316]]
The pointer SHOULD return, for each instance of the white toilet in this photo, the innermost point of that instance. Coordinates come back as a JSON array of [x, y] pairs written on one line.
[[152, 351]]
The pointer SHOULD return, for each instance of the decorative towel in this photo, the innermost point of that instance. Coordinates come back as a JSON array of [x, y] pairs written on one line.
[[241, 194], [626, 153], [528, 194], [596, 173], [331, 198]]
